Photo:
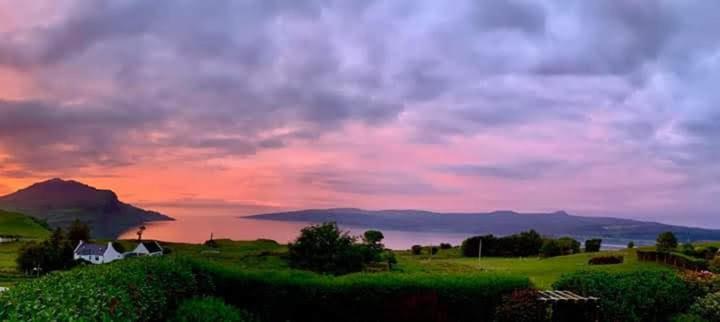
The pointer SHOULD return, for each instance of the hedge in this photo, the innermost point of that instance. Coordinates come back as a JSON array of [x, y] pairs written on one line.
[[607, 260], [643, 295], [141, 289], [302, 296], [209, 309], [675, 259]]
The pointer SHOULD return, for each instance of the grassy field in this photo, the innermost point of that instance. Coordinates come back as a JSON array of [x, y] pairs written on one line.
[[542, 272], [14, 224]]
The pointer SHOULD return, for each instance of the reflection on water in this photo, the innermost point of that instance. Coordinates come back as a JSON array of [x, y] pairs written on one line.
[[198, 229]]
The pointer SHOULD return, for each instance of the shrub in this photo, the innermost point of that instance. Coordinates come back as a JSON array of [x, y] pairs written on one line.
[[607, 260], [687, 318], [445, 246], [211, 243], [550, 248], [209, 310], [55, 253], [434, 250], [715, 264], [305, 296], [666, 242], [701, 283], [141, 289], [708, 307], [593, 245], [325, 248], [643, 295], [631, 245], [416, 249], [521, 306]]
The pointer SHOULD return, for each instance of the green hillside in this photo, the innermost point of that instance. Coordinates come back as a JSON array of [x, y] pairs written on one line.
[[15, 224]]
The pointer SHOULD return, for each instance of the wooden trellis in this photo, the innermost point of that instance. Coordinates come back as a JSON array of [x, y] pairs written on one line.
[[568, 306]]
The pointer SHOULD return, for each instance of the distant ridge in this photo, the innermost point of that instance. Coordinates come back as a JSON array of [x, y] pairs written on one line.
[[502, 222], [60, 202]]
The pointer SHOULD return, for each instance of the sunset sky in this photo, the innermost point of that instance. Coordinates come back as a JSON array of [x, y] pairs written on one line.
[[234, 107]]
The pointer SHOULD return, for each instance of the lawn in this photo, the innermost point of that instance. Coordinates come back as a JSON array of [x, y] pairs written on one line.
[[9, 274], [542, 272], [14, 224]]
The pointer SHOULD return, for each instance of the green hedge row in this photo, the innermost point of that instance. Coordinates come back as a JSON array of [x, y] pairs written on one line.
[[643, 295], [142, 289], [209, 309], [302, 296], [675, 259]]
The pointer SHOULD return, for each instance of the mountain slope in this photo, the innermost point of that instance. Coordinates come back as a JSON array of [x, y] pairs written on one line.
[[60, 202], [498, 222], [15, 224]]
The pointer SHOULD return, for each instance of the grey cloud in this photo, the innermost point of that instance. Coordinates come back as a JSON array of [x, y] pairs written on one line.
[[367, 182], [510, 171]]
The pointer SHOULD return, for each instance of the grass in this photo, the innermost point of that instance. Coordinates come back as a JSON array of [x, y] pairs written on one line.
[[542, 272], [15, 224]]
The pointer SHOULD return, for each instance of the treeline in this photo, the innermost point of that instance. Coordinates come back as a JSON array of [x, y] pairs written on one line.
[[55, 253], [525, 244]]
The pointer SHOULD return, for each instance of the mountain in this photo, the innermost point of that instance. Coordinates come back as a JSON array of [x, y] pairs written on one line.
[[60, 202], [498, 223]]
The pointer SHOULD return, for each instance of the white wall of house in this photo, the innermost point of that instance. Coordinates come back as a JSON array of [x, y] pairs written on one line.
[[111, 254], [143, 251]]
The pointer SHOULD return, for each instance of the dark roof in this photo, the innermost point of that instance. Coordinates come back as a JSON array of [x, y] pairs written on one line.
[[152, 246], [91, 249]]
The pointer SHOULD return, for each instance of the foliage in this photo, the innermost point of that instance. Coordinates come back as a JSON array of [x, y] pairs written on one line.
[[119, 247], [446, 246], [324, 248], [519, 245], [209, 310], [389, 257], [78, 231], [561, 246], [55, 253], [606, 260], [373, 246], [593, 245], [715, 264], [708, 307], [434, 250], [687, 318], [140, 289], [305, 296], [642, 295], [521, 306], [631, 245], [701, 283], [211, 243], [416, 249], [702, 252], [672, 258], [666, 242]]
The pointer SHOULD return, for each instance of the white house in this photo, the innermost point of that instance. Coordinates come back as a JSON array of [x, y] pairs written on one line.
[[95, 253], [148, 248]]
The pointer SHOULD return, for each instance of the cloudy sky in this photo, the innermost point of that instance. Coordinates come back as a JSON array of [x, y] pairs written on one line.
[[202, 107]]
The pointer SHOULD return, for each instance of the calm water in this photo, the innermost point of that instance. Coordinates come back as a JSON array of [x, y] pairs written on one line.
[[198, 229]]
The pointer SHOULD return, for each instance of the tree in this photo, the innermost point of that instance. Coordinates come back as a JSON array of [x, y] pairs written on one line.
[[666, 241], [78, 231], [416, 249], [593, 245], [568, 245], [631, 245], [373, 245], [550, 248], [325, 248], [55, 253]]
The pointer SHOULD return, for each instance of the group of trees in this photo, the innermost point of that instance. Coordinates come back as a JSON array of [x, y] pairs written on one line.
[[524, 244], [55, 253], [325, 248]]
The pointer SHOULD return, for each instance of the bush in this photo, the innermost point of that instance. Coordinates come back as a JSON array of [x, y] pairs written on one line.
[[445, 246], [708, 307], [714, 265], [416, 249], [643, 295], [700, 284], [631, 245], [55, 253], [561, 246], [209, 310], [519, 245], [304, 296], [521, 306], [593, 245], [325, 248], [141, 289], [434, 250], [688, 318], [607, 260]]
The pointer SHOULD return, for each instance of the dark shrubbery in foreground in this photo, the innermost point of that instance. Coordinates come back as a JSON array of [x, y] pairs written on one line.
[[209, 310], [304, 296], [607, 260], [644, 295], [520, 306], [143, 289]]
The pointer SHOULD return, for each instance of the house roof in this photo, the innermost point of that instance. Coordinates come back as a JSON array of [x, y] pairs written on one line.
[[91, 249], [152, 246]]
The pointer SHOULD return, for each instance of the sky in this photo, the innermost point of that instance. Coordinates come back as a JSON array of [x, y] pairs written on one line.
[[599, 108]]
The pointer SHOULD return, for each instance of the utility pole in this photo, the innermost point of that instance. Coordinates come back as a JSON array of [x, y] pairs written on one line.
[[480, 250]]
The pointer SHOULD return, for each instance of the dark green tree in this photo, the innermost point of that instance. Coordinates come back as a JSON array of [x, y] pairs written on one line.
[[666, 242], [631, 245], [593, 245], [78, 231], [325, 248]]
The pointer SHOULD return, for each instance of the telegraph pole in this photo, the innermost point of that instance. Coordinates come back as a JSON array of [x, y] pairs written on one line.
[[480, 251]]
